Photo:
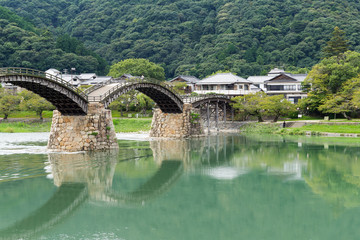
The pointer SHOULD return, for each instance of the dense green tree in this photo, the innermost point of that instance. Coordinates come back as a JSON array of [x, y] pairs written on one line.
[[123, 102], [137, 67], [179, 87], [8, 102], [278, 106], [332, 84], [337, 44], [251, 104], [33, 102], [144, 103]]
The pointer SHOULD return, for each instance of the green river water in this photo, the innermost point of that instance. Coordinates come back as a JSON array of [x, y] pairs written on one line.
[[220, 187]]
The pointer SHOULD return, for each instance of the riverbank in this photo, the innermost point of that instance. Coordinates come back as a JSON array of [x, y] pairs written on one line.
[[333, 129], [124, 125]]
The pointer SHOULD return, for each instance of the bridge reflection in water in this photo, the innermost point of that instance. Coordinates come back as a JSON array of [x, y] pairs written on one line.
[[90, 176]]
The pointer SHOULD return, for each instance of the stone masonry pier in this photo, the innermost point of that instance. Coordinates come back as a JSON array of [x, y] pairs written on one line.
[[94, 131], [177, 125]]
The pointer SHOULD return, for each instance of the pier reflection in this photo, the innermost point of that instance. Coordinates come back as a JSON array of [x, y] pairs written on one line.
[[142, 172]]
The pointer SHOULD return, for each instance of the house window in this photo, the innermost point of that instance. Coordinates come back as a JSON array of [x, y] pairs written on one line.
[[276, 87], [246, 87], [230, 87], [282, 87], [241, 86], [289, 87]]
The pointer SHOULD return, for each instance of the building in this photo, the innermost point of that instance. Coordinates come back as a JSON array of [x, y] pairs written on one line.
[[224, 83], [191, 82], [82, 79], [280, 82]]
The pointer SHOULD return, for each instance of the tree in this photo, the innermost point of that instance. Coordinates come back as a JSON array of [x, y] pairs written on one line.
[[144, 103], [179, 87], [277, 106], [33, 102], [337, 44], [123, 102], [137, 67], [8, 103], [333, 82], [251, 104]]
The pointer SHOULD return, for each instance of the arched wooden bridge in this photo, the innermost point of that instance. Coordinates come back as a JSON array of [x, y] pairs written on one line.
[[69, 100]]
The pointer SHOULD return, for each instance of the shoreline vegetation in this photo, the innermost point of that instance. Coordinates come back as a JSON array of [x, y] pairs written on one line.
[[22, 122], [313, 129], [27, 121]]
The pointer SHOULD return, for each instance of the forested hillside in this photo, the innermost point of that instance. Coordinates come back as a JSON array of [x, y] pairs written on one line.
[[199, 37], [23, 45]]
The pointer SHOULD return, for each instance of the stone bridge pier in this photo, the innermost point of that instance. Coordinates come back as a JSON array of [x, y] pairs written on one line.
[[177, 125], [94, 131]]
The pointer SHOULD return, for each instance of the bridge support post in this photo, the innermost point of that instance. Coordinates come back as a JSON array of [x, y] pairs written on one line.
[[177, 125], [94, 131]]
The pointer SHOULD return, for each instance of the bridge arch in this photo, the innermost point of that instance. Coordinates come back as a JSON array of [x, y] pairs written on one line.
[[166, 99], [66, 98]]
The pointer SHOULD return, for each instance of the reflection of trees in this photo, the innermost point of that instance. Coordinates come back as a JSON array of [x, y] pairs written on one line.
[[335, 175]]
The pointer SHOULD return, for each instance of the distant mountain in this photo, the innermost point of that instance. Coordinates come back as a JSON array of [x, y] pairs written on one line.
[[198, 37]]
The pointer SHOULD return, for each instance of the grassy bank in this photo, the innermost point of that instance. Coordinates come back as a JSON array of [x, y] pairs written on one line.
[[21, 127], [121, 125], [132, 124], [314, 129], [30, 114]]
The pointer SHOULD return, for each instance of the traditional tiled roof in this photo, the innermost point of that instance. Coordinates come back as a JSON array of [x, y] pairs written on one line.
[[87, 76], [263, 79], [189, 79], [259, 79], [96, 80], [222, 78]]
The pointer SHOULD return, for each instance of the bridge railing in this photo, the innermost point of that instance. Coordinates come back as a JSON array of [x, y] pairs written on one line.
[[100, 85], [188, 98], [131, 82], [37, 73]]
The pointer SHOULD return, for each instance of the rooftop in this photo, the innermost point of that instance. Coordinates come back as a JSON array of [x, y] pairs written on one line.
[[223, 78], [190, 79]]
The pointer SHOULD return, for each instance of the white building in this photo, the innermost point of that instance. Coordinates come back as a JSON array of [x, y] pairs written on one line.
[[224, 83], [279, 82]]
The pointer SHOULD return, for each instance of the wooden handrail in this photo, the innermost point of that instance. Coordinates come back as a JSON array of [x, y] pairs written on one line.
[[36, 73]]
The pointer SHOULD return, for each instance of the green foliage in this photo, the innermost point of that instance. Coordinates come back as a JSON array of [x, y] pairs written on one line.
[[334, 82], [259, 104], [33, 102], [179, 87], [124, 103], [198, 37], [25, 127], [137, 67], [24, 46], [194, 118], [8, 103], [132, 125], [260, 128], [11, 17], [278, 106], [337, 44], [341, 128], [250, 105], [144, 103]]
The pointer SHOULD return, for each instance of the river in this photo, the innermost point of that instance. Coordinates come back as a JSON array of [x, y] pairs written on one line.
[[219, 187]]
